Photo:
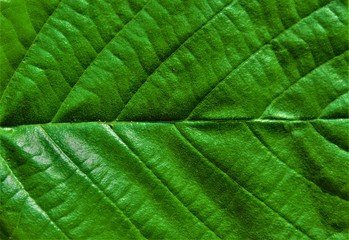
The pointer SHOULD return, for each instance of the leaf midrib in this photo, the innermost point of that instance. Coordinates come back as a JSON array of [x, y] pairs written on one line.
[[196, 121]]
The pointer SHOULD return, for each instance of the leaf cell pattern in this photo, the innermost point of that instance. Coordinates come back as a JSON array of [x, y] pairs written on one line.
[[149, 119]]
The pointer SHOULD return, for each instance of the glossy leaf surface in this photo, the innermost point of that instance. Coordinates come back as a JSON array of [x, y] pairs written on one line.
[[139, 119]]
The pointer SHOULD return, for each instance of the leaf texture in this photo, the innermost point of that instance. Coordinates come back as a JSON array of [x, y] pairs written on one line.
[[135, 119]]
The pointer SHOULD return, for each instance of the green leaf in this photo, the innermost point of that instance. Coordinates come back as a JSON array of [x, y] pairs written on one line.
[[133, 119]]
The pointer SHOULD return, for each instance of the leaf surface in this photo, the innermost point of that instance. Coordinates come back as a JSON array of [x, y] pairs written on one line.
[[139, 119]]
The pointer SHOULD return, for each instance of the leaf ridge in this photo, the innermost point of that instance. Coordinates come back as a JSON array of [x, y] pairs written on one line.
[[249, 58], [31, 23], [324, 108], [18, 221], [299, 79], [31, 45], [267, 147], [47, 216], [322, 136], [175, 51], [98, 54], [230, 179], [63, 155], [117, 137], [8, 199]]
